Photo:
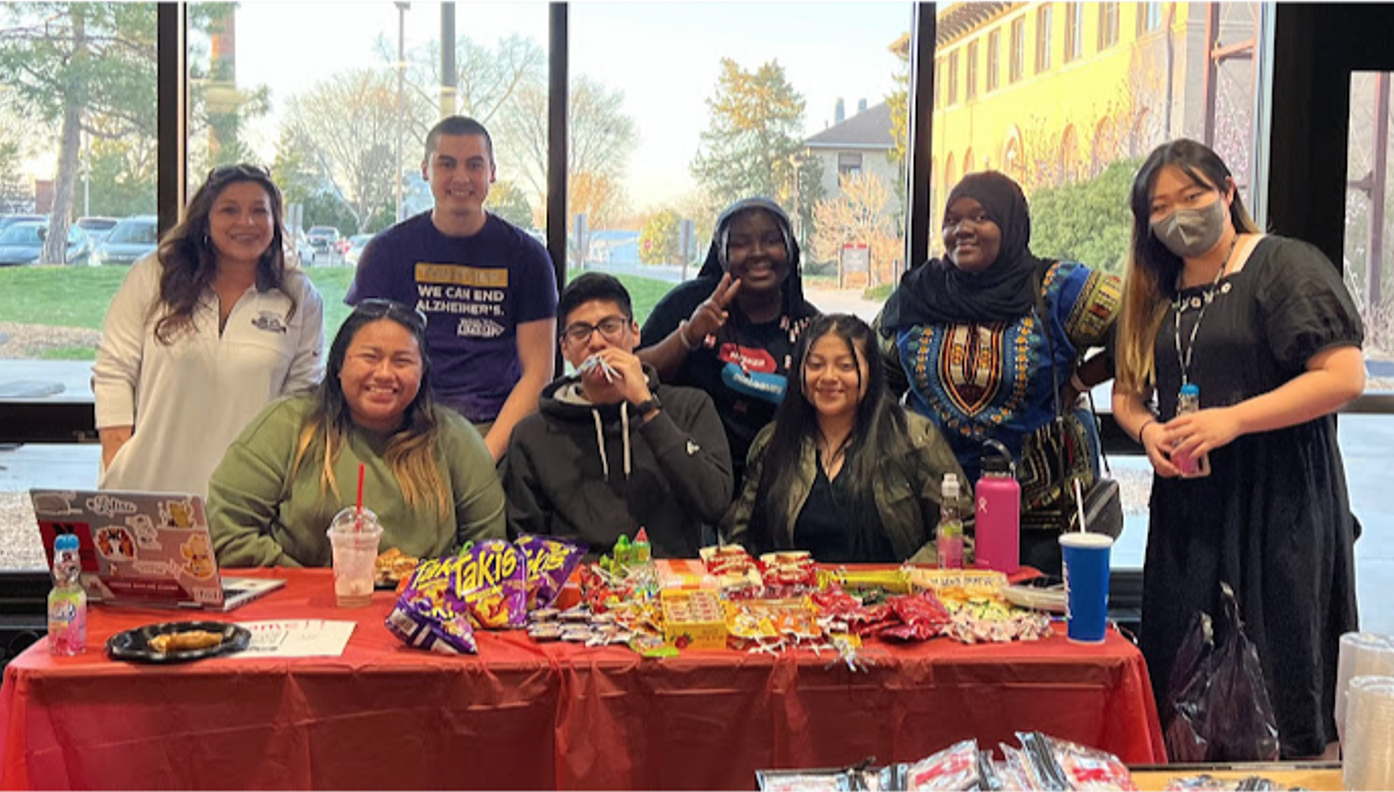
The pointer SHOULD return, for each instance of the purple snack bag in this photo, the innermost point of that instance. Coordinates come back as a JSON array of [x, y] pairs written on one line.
[[420, 623], [550, 563]]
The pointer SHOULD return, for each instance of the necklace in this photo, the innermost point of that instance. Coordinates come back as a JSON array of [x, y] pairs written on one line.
[[1184, 358]]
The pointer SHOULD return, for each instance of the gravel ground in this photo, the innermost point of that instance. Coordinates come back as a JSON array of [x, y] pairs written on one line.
[[20, 547], [19, 341]]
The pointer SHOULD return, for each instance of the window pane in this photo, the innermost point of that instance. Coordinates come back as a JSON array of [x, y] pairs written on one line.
[[1370, 222], [813, 118], [77, 154], [1365, 441], [1043, 40], [342, 127]]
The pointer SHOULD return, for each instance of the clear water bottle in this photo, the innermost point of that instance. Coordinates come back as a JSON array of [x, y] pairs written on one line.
[[67, 603], [948, 536], [998, 513], [1188, 401]]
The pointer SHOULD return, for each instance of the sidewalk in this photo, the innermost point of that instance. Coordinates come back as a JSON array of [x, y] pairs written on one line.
[[843, 301]]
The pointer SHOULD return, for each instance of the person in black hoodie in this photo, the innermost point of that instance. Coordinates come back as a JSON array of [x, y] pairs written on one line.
[[611, 450], [732, 330]]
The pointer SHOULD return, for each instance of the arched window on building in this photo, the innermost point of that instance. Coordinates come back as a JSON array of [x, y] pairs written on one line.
[[1013, 163], [1069, 156], [1104, 148], [968, 162]]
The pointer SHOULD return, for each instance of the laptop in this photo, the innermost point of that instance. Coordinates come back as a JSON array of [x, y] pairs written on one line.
[[143, 548]]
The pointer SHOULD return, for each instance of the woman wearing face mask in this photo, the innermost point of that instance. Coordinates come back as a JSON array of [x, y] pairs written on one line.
[[1266, 329], [843, 472], [731, 331], [202, 334], [427, 473], [983, 336]]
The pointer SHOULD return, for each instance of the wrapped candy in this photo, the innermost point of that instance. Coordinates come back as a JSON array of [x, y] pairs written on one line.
[[921, 617]]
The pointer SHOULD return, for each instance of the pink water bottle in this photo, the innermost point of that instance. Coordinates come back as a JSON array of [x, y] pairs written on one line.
[[998, 513]]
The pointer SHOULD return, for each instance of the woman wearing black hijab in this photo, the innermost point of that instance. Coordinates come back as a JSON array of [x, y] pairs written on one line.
[[732, 330], [966, 334]]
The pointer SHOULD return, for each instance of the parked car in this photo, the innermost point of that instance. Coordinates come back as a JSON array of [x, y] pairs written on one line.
[[23, 243], [301, 245], [97, 227], [8, 220], [324, 241], [130, 240], [356, 243]]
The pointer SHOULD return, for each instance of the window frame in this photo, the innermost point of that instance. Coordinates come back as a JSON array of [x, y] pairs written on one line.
[[1044, 15], [1016, 56], [1074, 33], [994, 46]]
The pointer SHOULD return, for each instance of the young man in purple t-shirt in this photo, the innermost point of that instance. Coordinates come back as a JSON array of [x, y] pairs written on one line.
[[488, 290]]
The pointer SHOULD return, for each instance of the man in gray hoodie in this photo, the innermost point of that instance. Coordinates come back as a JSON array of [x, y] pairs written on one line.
[[610, 450]]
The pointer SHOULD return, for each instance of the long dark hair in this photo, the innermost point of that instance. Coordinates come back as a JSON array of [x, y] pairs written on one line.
[[190, 262], [411, 449], [1152, 269], [879, 434]]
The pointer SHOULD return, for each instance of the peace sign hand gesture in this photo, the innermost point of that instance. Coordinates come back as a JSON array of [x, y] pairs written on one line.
[[712, 313]]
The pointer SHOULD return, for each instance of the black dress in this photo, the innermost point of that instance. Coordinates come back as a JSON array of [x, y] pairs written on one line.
[[1273, 518]]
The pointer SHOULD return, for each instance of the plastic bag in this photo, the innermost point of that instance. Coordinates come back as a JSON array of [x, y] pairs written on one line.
[[1217, 707]]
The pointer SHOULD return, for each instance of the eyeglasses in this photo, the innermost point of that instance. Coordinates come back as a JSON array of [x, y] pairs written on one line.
[[611, 327], [376, 307]]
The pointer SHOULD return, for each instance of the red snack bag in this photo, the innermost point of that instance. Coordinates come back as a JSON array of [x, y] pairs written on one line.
[[550, 563]]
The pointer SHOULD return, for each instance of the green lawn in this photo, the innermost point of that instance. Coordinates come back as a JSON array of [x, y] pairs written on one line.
[[78, 297]]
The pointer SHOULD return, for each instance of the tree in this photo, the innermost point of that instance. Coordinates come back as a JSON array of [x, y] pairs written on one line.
[[658, 241], [349, 123], [80, 68], [1088, 221], [122, 182], [859, 216], [509, 203], [15, 195], [600, 139], [754, 134], [218, 108], [899, 102]]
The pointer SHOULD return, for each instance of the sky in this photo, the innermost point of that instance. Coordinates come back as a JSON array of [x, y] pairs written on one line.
[[664, 57]]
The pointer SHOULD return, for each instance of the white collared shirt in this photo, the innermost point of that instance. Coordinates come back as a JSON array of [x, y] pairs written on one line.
[[188, 400]]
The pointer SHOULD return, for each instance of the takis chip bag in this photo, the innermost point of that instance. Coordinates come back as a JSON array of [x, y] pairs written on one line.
[[430, 624], [549, 564], [487, 581]]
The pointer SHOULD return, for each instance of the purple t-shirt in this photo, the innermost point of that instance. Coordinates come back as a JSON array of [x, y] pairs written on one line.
[[474, 291]]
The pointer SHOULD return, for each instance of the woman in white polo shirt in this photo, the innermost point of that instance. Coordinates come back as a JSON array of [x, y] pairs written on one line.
[[203, 333]]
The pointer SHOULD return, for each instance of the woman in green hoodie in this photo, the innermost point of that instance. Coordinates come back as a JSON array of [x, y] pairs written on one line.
[[427, 474]]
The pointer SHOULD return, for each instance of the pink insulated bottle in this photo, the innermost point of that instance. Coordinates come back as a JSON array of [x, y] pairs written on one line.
[[998, 513]]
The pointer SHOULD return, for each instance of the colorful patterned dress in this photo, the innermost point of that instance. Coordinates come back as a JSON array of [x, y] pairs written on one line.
[[993, 381]]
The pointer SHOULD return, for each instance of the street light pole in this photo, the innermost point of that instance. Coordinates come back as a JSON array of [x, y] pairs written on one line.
[[401, 77]]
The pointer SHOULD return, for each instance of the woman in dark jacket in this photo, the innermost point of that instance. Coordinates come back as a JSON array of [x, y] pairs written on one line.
[[843, 472]]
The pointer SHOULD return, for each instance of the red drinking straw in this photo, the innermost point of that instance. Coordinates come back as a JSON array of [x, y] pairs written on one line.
[[358, 523]]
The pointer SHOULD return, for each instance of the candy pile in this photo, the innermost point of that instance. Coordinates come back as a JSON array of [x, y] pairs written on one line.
[[1042, 762]]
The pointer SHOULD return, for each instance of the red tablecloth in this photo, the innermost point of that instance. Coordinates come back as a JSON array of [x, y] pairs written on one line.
[[524, 715]]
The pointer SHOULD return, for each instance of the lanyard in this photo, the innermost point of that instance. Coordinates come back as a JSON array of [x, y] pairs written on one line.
[[1184, 359]]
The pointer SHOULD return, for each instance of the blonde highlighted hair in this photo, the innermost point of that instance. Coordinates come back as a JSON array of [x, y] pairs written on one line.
[[1149, 283], [411, 450]]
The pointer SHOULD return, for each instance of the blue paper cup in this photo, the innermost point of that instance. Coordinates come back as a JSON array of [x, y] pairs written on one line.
[[1086, 585]]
